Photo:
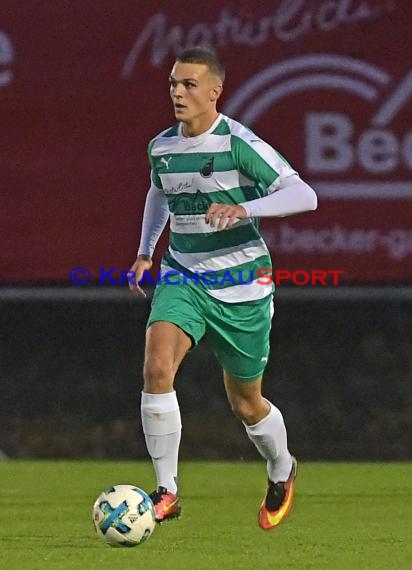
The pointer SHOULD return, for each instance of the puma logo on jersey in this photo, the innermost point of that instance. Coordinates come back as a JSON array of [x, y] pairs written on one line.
[[166, 162]]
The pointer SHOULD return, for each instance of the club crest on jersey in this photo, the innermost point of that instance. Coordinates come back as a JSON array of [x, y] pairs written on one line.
[[207, 170]]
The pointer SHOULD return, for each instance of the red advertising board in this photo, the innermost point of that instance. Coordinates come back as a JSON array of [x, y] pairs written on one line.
[[83, 87]]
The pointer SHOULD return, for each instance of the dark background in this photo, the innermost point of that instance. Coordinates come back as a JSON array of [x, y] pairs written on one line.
[[340, 370]]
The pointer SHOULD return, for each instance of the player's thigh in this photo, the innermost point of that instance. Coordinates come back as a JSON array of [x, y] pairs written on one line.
[[175, 324], [166, 347], [167, 341], [240, 335]]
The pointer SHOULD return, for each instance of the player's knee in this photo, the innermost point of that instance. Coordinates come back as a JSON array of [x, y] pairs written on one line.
[[244, 410], [158, 375]]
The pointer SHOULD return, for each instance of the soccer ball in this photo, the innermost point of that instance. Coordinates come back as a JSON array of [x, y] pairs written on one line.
[[124, 515]]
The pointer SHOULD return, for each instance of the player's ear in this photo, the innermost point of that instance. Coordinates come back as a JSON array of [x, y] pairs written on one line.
[[216, 92]]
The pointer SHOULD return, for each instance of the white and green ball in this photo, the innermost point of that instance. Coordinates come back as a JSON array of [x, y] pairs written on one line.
[[124, 515]]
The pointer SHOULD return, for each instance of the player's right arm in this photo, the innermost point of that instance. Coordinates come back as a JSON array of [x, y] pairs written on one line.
[[155, 217]]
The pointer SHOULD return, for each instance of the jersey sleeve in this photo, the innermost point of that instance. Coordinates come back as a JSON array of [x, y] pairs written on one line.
[[154, 177], [155, 217], [293, 197], [257, 160]]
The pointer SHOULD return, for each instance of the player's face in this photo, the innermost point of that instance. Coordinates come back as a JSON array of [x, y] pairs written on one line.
[[194, 91]]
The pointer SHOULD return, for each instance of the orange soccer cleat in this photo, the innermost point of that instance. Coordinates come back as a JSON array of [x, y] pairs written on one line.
[[278, 500], [166, 504]]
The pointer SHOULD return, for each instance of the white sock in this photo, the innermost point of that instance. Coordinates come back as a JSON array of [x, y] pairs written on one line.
[[162, 428], [270, 439]]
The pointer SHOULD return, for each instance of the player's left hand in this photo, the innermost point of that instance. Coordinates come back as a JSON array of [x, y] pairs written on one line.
[[222, 216]]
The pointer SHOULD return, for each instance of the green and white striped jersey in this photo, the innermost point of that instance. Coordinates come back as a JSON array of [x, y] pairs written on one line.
[[227, 164]]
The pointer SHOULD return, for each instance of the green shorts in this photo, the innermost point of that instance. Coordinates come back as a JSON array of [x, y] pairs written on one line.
[[238, 332]]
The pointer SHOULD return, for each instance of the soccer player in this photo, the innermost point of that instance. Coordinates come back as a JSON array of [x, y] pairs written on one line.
[[213, 178]]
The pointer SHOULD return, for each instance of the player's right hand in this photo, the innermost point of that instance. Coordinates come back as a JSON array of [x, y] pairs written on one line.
[[143, 263]]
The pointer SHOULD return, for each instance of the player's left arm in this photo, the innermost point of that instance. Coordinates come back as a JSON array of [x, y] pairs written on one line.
[[286, 192], [293, 196]]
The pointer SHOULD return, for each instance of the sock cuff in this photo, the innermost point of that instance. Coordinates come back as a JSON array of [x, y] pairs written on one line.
[[260, 427], [160, 403], [160, 414]]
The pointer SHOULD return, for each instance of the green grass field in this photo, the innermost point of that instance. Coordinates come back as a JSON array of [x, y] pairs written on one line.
[[346, 516]]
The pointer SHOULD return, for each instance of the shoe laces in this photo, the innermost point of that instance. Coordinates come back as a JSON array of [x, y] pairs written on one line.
[[275, 496], [157, 495]]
